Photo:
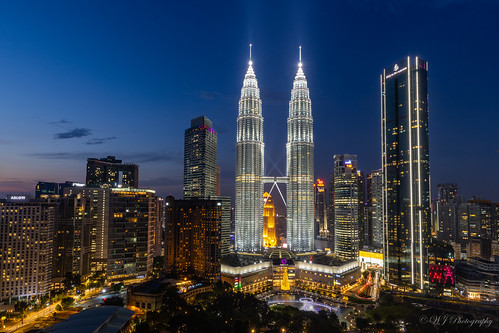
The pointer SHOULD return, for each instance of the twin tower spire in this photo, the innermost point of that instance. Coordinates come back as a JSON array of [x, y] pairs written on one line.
[[250, 176]]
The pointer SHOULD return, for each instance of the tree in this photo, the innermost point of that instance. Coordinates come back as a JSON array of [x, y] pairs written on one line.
[[21, 307], [58, 307], [71, 281], [67, 302], [118, 286]]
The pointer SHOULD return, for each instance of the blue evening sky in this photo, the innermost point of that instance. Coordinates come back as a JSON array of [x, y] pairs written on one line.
[[124, 78]]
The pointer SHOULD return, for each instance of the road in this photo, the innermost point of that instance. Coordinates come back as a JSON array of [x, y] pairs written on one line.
[[99, 298], [30, 318], [86, 303]]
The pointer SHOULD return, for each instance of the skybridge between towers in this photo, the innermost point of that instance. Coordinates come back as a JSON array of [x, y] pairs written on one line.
[[274, 181]]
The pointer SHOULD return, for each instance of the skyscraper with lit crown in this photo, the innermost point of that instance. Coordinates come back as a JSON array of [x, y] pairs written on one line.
[[300, 166], [406, 172], [249, 166]]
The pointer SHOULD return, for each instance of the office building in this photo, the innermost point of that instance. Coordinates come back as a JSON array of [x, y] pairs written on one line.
[[226, 211], [300, 166], [346, 207], [446, 209], [406, 172], [110, 172], [375, 208], [363, 228], [200, 159], [48, 188], [193, 237], [249, 166], [26, 243], [159, 226], [320, 211]]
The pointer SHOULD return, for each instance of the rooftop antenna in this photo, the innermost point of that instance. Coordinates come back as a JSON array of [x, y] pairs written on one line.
[[300, 64], [250, 62]]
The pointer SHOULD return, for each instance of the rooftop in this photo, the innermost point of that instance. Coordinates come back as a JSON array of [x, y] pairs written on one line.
[[105, 319]]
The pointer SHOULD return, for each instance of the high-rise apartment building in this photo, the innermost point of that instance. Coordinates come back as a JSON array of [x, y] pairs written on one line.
[[200, 159], [375, 207], [300, 166], [114, 230], [193, 242], [110, 172], [406, 172], [249, 166], [320, 212], [346, 206], [82, 231], [26, 243], [132, 220]]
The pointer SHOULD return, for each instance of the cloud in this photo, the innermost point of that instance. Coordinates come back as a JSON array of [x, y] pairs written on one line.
[[96, 141], [60, 122], [74, 133], [63, 156], [127, 158]]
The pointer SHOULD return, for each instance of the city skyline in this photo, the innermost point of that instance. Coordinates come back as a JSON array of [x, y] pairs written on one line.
[[61, 98]]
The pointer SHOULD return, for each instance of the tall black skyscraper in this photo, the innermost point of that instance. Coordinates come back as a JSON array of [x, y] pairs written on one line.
[[200, 159], [406, 172], [110, 172]]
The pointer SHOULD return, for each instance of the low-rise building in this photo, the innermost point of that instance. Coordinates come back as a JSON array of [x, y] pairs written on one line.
[[283, 270], [478, 279]]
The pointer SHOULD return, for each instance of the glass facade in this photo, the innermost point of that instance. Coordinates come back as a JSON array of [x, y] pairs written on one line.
[[375, 205], [406, 172], [300, 167], [346, 207], [249, 166], [200, 159]]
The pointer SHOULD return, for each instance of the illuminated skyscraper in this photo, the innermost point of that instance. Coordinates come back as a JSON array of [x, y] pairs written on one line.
[[320, 211], [200, 159], [269, 227], [375, 207], [192, 239], [300, 166], [249, 166], [110, 172], [406, 172], [346, 206], [26, 245]]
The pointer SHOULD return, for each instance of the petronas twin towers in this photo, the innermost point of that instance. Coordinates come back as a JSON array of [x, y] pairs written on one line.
[[250, 167]]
